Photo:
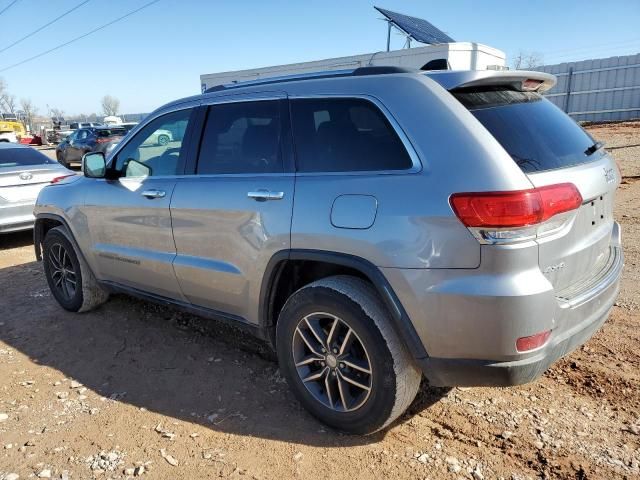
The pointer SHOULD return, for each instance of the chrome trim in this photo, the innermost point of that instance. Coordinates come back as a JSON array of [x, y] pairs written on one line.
[[415, 158], [262, 195], [611, 274], [154, 193]]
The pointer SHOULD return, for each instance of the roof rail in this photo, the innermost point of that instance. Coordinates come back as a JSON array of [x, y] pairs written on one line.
[[357, 72]]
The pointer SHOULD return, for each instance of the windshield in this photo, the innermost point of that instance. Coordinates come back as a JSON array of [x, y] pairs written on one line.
[[537, 134], [16, 157]]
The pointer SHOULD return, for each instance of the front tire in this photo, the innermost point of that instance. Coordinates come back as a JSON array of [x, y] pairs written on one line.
[[70, 280], [342, 358]]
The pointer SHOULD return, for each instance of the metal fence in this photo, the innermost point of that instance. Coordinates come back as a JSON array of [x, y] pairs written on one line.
[[602, 89]]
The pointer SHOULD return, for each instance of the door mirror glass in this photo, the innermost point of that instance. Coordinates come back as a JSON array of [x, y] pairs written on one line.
[[137, 169], [94, 165]]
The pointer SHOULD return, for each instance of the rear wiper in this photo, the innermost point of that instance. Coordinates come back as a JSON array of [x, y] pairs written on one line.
[[593, 148]]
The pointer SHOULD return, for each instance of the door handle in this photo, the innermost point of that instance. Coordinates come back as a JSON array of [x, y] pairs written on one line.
[[263, 195], [154, 193]]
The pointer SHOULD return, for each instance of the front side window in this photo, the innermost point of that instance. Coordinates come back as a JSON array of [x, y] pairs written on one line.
[[345, 134], [157, 149], [82, 135], [241, 138]]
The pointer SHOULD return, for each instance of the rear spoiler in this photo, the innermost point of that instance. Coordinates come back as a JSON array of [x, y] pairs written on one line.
[[522, 80]]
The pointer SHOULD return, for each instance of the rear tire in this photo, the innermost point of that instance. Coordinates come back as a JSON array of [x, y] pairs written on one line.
[[60, 158], [70, 280], [323, 380]]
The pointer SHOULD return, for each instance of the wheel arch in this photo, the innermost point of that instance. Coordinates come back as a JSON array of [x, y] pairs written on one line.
[[45, 222], [276, 287]]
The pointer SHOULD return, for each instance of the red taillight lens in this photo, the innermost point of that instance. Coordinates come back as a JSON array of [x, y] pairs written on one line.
[[60, 178], [103, 139], [524, 344], [517, 208]]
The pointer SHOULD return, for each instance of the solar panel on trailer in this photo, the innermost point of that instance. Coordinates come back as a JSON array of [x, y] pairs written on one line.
[[417, 28]]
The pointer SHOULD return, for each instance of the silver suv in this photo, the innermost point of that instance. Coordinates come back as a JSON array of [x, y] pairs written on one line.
[[374, 225]]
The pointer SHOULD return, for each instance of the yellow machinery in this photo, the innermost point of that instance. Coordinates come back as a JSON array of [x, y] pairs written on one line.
[[15, 127]]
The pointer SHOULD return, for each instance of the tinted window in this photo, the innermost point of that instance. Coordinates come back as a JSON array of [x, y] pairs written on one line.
[[537, 134], [82, 134], [241, 138], [158, 146], [111, 132], [339, 135], [14, 157]]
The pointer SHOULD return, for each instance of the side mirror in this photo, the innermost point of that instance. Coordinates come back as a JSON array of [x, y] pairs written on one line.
[[94, 165]]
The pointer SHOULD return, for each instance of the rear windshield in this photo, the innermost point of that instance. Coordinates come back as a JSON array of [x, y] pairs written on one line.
[[537, 134], [111, 132], [17, 157]]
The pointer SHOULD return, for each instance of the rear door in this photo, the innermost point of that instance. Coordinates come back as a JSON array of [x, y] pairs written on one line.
[[551, 148], [77, 145], [129, 220], [235, 212]]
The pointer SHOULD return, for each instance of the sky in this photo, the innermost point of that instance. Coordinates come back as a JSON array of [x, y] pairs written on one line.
[[157, 54]]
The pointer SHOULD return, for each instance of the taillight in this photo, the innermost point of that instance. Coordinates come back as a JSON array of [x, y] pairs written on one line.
[[60, 178], [103, 139], [509, 216], [526, 344], [516, 208]]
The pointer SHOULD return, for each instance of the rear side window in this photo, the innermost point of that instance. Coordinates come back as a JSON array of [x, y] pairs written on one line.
[[537, 134], [241, 137], [345, 135], [111, 133], [16, 157]]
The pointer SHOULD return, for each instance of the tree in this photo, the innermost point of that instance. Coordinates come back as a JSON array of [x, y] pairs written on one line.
[[57, 112], [110, 105], [9, 102], [527, 60], [29, 109]]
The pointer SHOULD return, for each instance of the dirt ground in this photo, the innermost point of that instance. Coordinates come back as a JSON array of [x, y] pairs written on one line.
[[137, 389]]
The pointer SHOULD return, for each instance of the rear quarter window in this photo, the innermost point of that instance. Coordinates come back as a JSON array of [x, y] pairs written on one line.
[[537, 134], [345, 135]]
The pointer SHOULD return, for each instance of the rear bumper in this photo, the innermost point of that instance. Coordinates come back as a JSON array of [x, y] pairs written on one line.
[[476, 373], [592, 308], [14, 218], [469, 321]]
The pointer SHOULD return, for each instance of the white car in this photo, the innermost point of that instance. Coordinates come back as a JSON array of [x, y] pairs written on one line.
[[8, 137], [159, 137]]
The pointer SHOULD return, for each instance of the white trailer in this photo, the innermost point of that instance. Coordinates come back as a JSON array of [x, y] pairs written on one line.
[[459, 55]]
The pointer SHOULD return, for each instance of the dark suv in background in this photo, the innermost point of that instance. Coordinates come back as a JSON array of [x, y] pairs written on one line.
[[85, 140]]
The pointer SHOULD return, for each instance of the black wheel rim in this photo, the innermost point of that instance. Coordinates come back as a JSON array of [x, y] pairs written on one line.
[[332, 362], [63, 273]]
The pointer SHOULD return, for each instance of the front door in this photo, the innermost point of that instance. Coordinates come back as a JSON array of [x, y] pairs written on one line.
[[235, 212], [129, 220]]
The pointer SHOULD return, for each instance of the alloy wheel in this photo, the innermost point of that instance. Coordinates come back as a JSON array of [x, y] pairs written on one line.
[[332, 362], [63, 273]]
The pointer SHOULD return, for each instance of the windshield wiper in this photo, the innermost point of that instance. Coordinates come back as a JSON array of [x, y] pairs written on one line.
[[594, 148]]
